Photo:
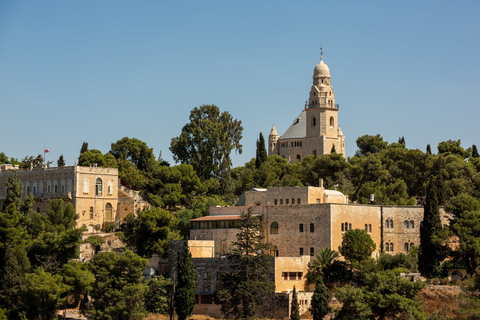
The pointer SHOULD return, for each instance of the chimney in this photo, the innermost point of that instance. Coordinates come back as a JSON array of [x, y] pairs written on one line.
[[320, 183]]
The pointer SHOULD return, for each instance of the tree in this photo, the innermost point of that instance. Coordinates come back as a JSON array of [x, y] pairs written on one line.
[[136, 151], [429, 255], [118, 291], [14, 192], [207, 141], [261, 154], [30, 162], [475, 152], [453, 147], [294, 307], [185, 289], [384, 295], [333, 150], [79, 279], [150, 231], [429, 149], [326, 266], [60, 161], [250, 280], [84, 147], [95, 157], [42, 294], [401, 140], [357, 245], [320, 306], [157, 295], [370, 144]]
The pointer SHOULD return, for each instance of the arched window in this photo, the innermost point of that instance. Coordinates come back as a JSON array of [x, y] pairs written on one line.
[[346, 226], [405, 224], [91, 212], [387, 247], [370, 228], [343, 227], [108, 212], [332, 122], [387, 223], [314, 121], [110, 187], [412, 224], [366, 227], [298, 157], [98, 187], [55, 186], [274, 251], [391, 247], [391, 223], [405, 247], [63, 185], [85, 186], [274, 228]]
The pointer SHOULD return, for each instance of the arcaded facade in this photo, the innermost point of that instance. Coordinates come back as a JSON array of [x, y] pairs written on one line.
[[315, 130], [93, 191]]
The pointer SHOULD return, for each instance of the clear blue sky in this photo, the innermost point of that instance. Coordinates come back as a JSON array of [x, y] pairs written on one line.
[[97, 71]]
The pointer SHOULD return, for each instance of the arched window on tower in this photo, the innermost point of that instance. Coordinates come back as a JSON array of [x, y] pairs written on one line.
[[332, 122], [108, 212], [314, 121], [298, 157], [274, 228]]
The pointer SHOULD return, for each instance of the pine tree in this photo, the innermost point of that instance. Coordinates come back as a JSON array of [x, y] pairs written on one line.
[[185, 291], [61, 161], [333, 149], [320, 307], [429, 149], [428, 256], [261, 152], [294, 307], [475, 152]]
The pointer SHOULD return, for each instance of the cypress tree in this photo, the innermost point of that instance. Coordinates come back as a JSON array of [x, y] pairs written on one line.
[[429, 149], [61, 161], [294, 307], [333, 149], [475, 152], [428, 255], [185, 291], [320, 307], [261, 154], [84, 147]]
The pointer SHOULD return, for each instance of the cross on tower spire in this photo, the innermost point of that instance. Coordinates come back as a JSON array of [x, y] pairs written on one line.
[[321, 53]]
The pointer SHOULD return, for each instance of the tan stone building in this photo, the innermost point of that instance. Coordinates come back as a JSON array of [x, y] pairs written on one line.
[[316, 129], [93, 191]]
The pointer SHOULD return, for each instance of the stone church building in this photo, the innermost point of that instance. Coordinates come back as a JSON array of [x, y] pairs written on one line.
[[316, 129]]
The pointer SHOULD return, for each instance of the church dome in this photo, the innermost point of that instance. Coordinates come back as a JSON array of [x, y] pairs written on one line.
[[321, 69]]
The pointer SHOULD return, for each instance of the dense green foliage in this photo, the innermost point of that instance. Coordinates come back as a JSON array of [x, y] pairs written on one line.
[[320, 301], [207, 141], [294, 306], [357, 245], [185, 288], [250, 281], [156, 299], [429, 254], [384, 295], [149, 232], [261, 152], [327, 266], [118, 291]]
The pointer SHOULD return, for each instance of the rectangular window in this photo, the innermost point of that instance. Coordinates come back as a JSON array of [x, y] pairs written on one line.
[[301, 227], [366, 227], [285, 275], [293, 200], [281, 201], [286, 201], [318, 201], [275, 201], [301, 251], [206, 276], [349, 226], [312, 227], [312, 251], [370, 228], [298, 201]]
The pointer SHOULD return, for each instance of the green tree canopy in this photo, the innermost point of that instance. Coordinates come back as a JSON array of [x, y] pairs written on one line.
[[294, 306], [207, 141], [370, 144], [150, 231], [136, 151], [320, 306], [61, 161], [357, 245], [261, 152], [250, 281], [118, 291], [96, 157], [185, 289]]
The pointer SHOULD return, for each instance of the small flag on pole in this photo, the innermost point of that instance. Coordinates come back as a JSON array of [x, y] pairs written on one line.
[[47, 151]]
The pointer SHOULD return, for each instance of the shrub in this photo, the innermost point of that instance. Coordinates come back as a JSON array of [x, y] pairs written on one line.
[[109, 226], [95, 240], [435, 281]]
